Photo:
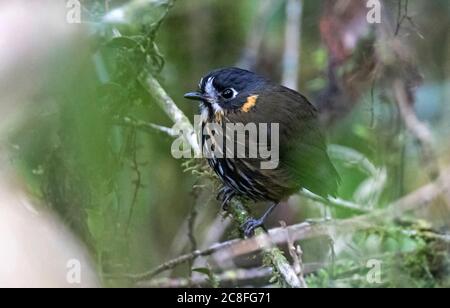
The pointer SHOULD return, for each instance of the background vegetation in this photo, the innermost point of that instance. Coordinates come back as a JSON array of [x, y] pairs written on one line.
[[87, 149]]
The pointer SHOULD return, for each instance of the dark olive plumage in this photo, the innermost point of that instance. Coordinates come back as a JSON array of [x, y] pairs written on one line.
[[304, 162]]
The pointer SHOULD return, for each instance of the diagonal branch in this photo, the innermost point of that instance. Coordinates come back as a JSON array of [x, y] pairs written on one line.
[[418, 129], [145, 126], [415, 201], [334, 202], [166, 103]]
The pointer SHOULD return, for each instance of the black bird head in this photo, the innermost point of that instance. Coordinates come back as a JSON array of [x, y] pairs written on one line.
[[227, 89]]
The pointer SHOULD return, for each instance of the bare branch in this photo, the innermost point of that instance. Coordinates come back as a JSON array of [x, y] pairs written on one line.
[[418, 129], [175, 262], [296, 253], [167, 130], [146, 127], [403, 15], [232, 278], [227, 279], [137, 182], [334, 202], [166, 103]]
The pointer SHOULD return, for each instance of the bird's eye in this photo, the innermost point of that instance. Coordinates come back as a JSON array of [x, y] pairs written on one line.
[[227, 93]]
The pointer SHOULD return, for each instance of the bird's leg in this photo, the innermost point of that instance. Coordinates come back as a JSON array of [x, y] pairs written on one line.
[[251, 224], [225, 195]]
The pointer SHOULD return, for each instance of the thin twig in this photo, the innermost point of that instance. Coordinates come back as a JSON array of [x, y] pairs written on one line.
[[227, 279], [334, 202], [180, 240], [146, 126], [175, 262], [166, 103], [231, 278], [403, 15], [400, 18], [296, 253], [137, 182], [418, 129], [191, 227]]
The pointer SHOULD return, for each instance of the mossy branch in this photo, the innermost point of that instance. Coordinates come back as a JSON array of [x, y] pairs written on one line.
[[166, 103], [273, 256], [417, 200]]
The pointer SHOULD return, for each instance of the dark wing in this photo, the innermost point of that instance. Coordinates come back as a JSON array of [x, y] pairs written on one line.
[[303, 151], [306, 152]]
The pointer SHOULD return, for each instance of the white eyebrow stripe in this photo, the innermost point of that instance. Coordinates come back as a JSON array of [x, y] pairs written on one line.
[[209, 88], [200, 84]]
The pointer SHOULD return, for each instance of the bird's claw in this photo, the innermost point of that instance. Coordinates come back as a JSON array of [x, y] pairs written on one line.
[[225, 195], [250, 225]]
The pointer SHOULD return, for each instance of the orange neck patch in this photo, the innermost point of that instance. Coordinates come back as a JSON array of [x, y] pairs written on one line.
[[250, 103]]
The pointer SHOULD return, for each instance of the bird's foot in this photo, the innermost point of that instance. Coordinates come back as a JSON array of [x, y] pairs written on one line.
[[250, 225], [225, 195]]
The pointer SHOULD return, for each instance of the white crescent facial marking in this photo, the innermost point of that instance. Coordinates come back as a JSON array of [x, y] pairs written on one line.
[[204, 115], [213, 94], [217, 108], [210, 90]]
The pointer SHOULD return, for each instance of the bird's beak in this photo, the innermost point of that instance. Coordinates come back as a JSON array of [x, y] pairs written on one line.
[[195, 96]]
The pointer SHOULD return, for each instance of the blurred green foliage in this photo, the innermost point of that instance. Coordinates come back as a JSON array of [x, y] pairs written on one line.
[[122, 192]]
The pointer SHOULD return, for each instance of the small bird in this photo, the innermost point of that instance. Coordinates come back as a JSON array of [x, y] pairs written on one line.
[[233, 95]]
